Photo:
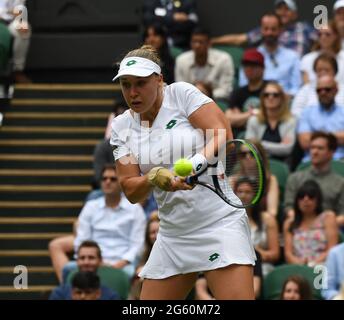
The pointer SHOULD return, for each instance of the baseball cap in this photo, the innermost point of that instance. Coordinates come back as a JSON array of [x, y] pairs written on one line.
[[137, 66], [253, 56], [338, 4], [289, 3]]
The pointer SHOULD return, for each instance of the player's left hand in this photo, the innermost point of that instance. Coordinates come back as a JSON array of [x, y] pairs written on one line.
[[178, 183]]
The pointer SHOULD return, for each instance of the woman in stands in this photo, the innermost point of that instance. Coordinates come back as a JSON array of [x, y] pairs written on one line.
[[313, 232], [274, 126], [296, 287]]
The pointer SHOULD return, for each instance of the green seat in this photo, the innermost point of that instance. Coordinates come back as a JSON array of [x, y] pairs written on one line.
[[273, 282], [236, 54], [115, 279], [175, 51], [281, 171], [336, 165]]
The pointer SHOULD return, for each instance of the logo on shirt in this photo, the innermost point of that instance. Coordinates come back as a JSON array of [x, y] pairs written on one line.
[[171, 124], [213, 257], [130, 63]]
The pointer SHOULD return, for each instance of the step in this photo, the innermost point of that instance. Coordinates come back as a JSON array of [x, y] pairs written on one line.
[[57, 196], [46, 173], [34, 220], [68, 91], [29, 244], [31, 235], [24, 257], [36, 227], [67, 87], [25, 260], [57, 119], [40, 204], [63, 102], [55, 115], [45, 129], [47, 157], [48, 142], [34, 278], [44, 212], [46, 177]]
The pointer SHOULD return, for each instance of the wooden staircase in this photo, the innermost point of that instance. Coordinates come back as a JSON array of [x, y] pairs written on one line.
[[46, 144]]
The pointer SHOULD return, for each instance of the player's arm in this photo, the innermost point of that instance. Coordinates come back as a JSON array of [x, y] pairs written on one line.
[[230, 39], [135, 186], [216, 128]]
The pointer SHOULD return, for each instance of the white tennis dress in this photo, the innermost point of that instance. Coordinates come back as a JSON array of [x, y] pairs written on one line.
[[198, 230]]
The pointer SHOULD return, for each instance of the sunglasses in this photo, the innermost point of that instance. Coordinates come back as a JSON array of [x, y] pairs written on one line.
[[325, 89], [271, 94], [301, 196], [112, 179]]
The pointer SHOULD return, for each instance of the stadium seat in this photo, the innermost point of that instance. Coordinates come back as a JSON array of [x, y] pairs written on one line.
[[273, 282], [175, 51], [115, 279], [281, 171], [336, 165]]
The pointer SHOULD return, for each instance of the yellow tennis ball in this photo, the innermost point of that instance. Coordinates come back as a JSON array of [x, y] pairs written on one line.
[[183, 167]]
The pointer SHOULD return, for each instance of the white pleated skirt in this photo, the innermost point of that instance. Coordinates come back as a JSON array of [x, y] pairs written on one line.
[[226, 242]]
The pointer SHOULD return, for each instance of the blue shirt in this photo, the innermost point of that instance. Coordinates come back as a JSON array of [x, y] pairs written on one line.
[[317, 118], [64, 292], [282, 66], [335, 271]]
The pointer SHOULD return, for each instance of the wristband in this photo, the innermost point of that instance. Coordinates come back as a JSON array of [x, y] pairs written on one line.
[[199, 162]]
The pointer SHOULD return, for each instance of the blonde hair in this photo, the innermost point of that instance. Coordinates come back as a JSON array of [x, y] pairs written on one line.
[[147, 52], [284, 112]]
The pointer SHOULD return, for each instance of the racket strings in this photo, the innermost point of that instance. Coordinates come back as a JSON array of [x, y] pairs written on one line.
[[239, 167]]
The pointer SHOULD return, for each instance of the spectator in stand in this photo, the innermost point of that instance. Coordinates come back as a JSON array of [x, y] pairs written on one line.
[[335, 272], [270, 200], [322, 147], [324, 64], [244, 101], [178, 17], [312, 232], [150, 237], [102, 153], [329, 42], [264, 227], [296, 287], [273, 126], [155, 35], [115, 224], [296, 35], [281, 64], [89, 260], [13, 14], [338, 10], [326, 116], [85, 286], [206, 65]]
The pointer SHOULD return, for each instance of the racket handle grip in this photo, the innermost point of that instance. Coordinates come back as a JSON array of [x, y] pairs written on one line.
[[191, 180]]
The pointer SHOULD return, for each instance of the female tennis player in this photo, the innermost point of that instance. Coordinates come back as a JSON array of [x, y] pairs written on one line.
[[198, 230]]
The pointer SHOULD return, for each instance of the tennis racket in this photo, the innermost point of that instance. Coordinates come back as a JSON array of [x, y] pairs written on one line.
[[238, 175]]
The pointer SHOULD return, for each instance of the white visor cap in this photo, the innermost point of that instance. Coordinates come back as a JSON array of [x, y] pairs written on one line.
[[137, 66]]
